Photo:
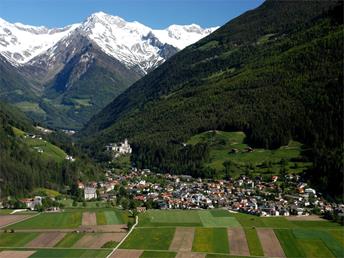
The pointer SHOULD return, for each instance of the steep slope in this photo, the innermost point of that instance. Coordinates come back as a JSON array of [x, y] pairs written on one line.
[[275, 72], [23, 168], [71, 73], [13, 86]]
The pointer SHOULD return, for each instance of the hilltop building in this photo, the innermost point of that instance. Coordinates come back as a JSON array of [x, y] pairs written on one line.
[[119, 148]]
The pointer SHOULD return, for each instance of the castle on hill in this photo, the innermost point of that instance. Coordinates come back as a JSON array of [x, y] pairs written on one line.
[[120, 148]]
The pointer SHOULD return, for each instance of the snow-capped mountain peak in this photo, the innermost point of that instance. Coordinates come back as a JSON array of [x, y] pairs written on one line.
[[132, 43]]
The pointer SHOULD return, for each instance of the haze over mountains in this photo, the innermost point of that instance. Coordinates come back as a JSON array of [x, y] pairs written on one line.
[[63, 76]]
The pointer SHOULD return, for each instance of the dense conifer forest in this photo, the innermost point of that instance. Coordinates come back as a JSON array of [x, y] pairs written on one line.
[[22, 168], [275, 73]]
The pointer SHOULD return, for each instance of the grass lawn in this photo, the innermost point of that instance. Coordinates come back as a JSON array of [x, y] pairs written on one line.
[[18, 239], [69, 240], [253, 242], [212, 240], [315, 248], [51, 220], [149, 239], [289, 243], [158, 254], [70, 253]]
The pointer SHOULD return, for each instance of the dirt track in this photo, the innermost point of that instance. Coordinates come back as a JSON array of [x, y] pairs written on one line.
[[237, 242], [89, 219], [46, 239], [8, 219], [270, 243], [182, 240], [97, 240], [123, 253], [16, 254]]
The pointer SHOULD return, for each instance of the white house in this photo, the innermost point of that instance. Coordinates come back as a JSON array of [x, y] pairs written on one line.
[[119, 148], [90, 193]]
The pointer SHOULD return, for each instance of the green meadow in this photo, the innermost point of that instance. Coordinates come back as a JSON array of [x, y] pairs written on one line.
[[50, 221], [149, 239], [17, 239], [223, 143]]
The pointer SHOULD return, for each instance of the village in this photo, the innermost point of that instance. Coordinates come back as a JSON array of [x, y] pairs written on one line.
[[144, 189]]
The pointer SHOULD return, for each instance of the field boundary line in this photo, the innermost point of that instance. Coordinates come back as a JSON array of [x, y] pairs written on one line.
[[28, 217], [120, 243]]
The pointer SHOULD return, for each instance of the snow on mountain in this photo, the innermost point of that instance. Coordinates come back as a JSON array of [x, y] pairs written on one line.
[[181, 36], [132, 43], [20, 43]]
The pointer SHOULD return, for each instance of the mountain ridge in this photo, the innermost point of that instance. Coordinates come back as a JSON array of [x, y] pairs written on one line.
[[54, 64]]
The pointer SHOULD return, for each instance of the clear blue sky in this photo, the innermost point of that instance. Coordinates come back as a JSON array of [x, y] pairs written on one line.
[[153, 13]]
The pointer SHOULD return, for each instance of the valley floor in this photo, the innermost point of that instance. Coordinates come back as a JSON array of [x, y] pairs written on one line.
[[216, 233]]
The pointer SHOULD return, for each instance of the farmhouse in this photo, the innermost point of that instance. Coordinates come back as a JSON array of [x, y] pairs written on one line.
[[90, 193]]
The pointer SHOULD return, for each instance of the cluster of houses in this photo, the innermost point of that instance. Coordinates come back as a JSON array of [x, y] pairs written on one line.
[[245, 194]]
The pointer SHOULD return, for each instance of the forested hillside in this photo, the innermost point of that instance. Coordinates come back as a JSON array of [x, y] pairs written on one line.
[[275, 73], [22, 168]]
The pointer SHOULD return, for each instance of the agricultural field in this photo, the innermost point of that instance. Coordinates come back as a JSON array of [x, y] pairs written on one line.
[[192, 218], [51, 221], [231, 146], [17, 239], [149, 239], [193, 233]]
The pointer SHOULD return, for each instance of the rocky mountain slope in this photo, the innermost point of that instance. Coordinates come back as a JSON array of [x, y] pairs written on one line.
[[73, 72]]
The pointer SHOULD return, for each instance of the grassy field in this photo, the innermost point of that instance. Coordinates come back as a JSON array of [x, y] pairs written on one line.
[[69, 240], [158, 254], [70, 253], [149, 239], [109, 217], [253, 242], [190, 218], [5, 211], [169, 218], [222, 143], [110, 244], [51, 220], [18, 239], [101, 219], [289, 243], [48, 192], [50, 151], [315, 248], [212, 240]]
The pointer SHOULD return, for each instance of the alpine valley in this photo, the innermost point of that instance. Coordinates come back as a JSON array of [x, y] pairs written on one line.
[[61, 77]]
